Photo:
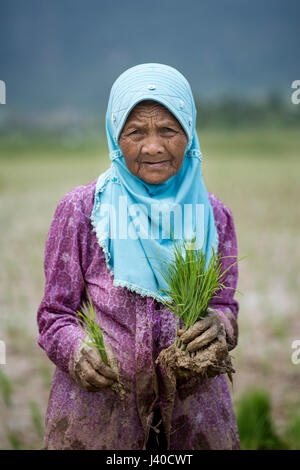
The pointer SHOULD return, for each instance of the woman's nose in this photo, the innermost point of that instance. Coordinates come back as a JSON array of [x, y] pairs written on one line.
[[152, 145]]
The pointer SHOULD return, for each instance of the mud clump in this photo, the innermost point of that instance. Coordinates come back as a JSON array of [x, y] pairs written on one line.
[[206, 362], [118, 388]]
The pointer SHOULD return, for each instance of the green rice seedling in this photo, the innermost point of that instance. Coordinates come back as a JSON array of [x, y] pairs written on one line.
[[190, 285], [254, 419], [88, 323], [14, 440], [6, 388], [36, 417], [292, 430]]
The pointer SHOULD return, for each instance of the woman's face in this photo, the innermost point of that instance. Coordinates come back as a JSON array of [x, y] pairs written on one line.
[[153, 142]]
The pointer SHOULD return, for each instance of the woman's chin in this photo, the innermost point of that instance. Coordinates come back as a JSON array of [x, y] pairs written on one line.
[[156, 177]]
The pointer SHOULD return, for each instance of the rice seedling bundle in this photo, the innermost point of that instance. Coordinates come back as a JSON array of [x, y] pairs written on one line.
[[88, 323], [190, 287]]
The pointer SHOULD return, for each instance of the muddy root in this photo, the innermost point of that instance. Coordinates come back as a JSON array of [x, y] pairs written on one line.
[[117, 386], [205, 363]]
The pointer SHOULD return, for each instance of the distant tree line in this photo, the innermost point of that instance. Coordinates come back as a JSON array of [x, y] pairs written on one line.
[[230, 112], [236, 112]]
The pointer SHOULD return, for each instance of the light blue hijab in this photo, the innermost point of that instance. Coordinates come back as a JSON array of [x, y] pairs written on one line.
[[133, 235]]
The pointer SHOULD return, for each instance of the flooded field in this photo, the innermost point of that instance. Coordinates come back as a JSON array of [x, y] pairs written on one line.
[[255, 174]]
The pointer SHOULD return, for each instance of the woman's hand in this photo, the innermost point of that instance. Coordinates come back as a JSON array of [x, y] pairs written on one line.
[[90, 371], [203, 332]]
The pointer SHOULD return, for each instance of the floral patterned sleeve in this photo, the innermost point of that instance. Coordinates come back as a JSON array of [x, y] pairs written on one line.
[[225, 305], [60, 335]]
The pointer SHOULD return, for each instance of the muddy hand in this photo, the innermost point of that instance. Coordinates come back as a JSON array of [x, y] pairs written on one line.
[[90, 371], [203, 331]]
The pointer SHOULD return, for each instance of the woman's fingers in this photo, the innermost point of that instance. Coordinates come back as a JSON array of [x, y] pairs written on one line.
[[91, 379], [207, 337], [113, 361], [222, 340], [196, 329], [99, 365], [88, 387], [217, 348]]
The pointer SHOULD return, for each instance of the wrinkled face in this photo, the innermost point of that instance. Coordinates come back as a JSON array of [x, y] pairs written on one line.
[[153, 142]]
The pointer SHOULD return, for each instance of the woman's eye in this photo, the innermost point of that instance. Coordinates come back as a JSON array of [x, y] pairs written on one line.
[[134, 132], [168, 129]]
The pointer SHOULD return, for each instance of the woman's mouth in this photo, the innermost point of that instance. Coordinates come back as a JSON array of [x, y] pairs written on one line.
[[156, 164]]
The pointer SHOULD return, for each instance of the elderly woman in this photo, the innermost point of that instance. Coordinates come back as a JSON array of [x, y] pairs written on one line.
[[102, 237]]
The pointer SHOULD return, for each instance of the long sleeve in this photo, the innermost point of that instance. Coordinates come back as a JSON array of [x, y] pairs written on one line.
[[67, 238], [225, 304]]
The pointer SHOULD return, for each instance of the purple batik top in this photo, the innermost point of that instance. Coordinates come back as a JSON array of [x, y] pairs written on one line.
[[197, 415]]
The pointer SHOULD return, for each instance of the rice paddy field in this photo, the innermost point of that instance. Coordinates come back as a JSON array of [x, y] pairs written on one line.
[[256, 173]]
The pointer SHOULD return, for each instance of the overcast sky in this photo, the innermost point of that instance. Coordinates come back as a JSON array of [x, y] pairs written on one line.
[[56, 53]]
